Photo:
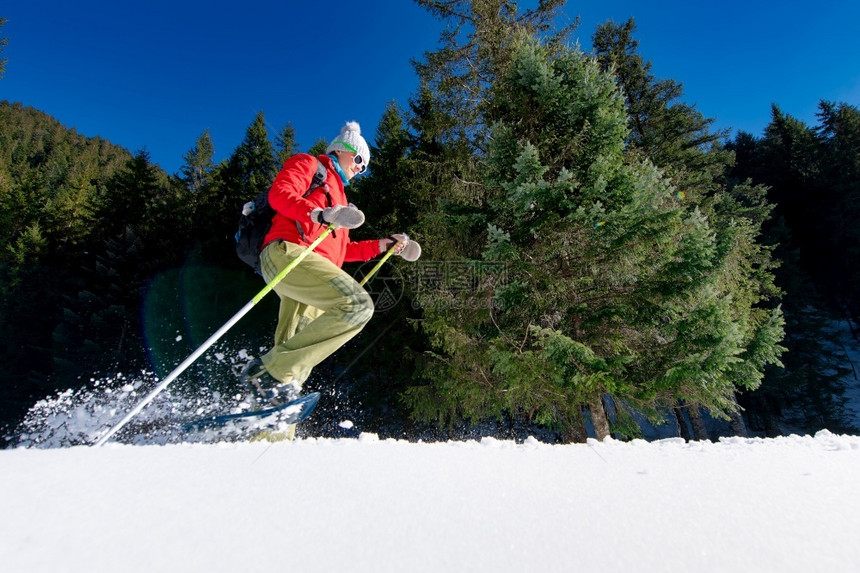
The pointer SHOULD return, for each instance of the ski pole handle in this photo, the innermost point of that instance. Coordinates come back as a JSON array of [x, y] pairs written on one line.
[[411, 252]]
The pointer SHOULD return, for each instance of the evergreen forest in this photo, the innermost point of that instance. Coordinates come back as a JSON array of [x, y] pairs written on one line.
[[595, 255]]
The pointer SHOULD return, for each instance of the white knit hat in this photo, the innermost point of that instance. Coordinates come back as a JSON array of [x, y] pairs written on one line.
[[349, 139]]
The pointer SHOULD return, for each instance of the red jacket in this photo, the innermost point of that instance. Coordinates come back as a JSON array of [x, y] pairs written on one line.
[[290, 207]]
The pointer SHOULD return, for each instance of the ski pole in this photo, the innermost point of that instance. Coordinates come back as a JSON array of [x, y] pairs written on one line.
[[384, 258], [410, 252], [214, 338]]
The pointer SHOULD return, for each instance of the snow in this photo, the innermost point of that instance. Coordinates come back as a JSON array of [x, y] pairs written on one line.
[[366, 504], [162, 498]]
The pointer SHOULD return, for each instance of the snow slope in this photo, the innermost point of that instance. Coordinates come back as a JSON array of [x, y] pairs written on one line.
[[782, 505]]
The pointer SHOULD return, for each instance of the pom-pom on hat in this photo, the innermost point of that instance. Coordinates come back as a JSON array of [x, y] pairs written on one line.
[[350, 139]]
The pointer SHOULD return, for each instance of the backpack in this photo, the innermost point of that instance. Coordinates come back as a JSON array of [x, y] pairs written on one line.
[[256, 220]]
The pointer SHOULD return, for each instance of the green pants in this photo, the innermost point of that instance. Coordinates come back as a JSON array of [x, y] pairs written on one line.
[[322, 307]]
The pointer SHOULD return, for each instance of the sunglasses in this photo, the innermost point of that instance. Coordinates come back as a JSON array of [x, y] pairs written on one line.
[[360, 162]]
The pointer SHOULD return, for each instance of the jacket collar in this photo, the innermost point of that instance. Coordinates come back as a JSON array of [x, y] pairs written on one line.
[[336, 166]]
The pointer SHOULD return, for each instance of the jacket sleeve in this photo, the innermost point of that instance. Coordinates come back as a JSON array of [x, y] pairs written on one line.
[[294, 178], [359, 251]]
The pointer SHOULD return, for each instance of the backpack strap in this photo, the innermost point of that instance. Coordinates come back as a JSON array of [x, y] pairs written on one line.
[[318, 181]]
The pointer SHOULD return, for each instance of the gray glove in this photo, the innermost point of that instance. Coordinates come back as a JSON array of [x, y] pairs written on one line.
[[411, 252], [346, 217], [406, 247]]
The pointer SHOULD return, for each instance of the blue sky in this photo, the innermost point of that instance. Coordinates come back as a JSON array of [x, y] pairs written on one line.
[[156, 74]]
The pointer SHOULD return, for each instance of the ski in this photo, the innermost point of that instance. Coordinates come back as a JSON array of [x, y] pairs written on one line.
[[289, 413]]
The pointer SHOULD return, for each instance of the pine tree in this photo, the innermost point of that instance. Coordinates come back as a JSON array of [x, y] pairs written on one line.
[[449, 132], [209, 218], [677, 138], [608, 283], [793, 160], [669, 132], [838, 202], [380, 191], [789, 150], [476, 48], [285, 144], [318, 148], [145, 228], [248, 171], [51, 180], [137, 196], [4, 41], [197, 171], [600, 292], [252, 167]]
